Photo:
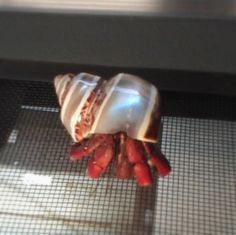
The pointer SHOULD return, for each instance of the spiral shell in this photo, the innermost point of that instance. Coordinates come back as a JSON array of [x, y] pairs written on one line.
[[124, 103]]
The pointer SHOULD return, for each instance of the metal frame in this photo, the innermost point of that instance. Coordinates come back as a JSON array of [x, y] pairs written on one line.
[[168, 80], [143, 40]]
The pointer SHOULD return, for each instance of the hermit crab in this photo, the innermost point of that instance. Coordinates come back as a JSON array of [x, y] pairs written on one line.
[[113, 119]]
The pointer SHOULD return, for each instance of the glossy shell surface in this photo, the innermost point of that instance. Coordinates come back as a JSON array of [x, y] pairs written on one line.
[[130, 105]]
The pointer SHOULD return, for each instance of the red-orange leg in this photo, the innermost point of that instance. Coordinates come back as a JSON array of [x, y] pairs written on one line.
[[84, 148], [158, 161], [122, 168], [135, 153], [99, 162]]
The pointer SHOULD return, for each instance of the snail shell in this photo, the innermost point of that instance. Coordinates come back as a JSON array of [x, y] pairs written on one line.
[[124, 103]]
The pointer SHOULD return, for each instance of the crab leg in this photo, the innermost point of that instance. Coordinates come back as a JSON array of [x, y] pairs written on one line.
[[158, 161], [122, 165], [100, 160], [135, 153], [86, 147]]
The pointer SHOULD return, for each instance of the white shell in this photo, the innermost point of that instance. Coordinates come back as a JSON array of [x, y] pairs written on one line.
[[131, 105], [76, 91]]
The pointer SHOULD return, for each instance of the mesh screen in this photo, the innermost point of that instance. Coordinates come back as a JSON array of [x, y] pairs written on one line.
[[42, 192]]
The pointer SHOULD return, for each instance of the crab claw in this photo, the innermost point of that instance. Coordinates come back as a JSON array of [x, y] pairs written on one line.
[[135, 153], [99, 162], [86, 147], [78, 151], [158, 161]]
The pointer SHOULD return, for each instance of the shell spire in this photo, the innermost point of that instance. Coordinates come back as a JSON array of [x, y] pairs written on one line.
[[73, 92]]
